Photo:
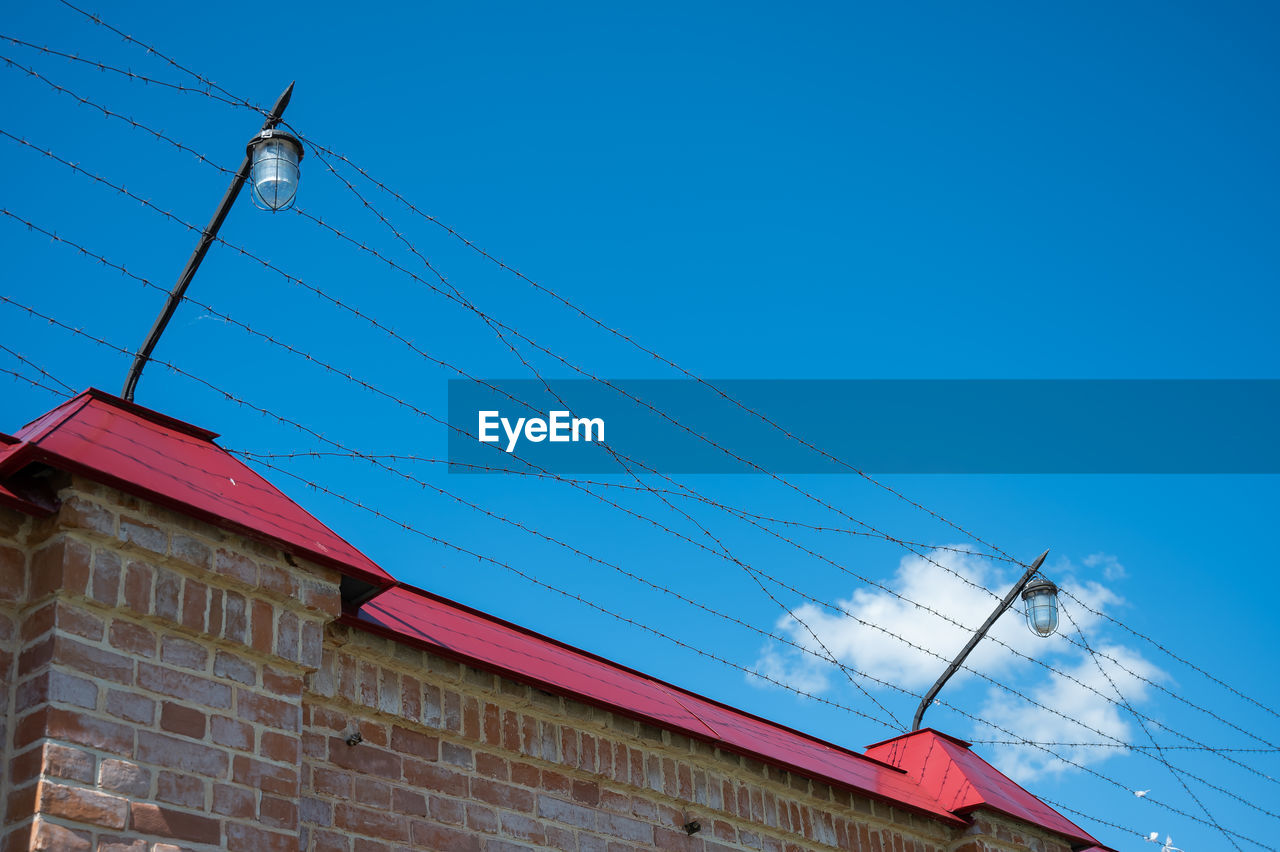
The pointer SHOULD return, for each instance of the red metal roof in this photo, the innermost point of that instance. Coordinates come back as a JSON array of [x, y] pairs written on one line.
[[963, 781], [490, 643], [175, 464]]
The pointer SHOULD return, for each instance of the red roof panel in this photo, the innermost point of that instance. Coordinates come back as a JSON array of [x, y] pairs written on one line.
[[480, 639], [177, 465], [963, 781]]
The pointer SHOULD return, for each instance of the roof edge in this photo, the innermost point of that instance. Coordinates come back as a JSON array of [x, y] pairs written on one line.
[[933, 731], [142, 411]]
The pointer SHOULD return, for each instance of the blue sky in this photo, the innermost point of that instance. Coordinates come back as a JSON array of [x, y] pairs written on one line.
[[925, 191]]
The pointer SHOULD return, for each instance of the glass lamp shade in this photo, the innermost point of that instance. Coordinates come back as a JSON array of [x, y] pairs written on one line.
[[1040, 598], [275, 171]]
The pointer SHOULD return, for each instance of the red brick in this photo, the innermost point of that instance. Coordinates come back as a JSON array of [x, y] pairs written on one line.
[[281, 747], [408, 802], [147, 536], [279, 581], [168, 594], [236, 567], [184, 685], [215, 612], [181, 719], [132, 638], [195, 604], [130, 706], [236, 802], [100, 663], [370, 823], [81, 804], [253, 707], [431, 836], [502, 795], [79, 622], [56, 838], [415, 743], [39, 621], [60, 761], [433, 777], [146, 818], [138, 579], [480, 818], [371, 793], [189, 550], [89, 731], [365, 758], [13, 574], [82, 514], [277, 812], [262, 627], [124, 777], [523, 828], [64, 564], [281, 683], [183, 653], [180, 789], [21, 804], [163, 750], [492, 766], [105, 585], [264, 776]]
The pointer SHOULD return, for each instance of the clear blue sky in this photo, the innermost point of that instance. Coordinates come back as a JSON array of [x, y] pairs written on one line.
[[927, 191]]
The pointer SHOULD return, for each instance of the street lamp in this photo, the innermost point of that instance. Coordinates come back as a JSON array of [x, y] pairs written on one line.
[[274, 177], [1041, 597], [273, 157]]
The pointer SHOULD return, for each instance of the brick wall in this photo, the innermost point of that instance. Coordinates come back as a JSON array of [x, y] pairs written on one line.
[[171, 686]]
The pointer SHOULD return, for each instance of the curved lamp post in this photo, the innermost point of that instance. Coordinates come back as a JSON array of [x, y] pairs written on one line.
[[273, 159], [1041, 598]]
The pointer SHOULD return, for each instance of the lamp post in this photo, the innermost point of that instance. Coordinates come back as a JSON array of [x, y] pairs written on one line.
[[1042, 617], [272, 157]]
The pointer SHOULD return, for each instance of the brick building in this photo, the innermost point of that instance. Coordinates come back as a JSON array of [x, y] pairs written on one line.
[[192, 662]]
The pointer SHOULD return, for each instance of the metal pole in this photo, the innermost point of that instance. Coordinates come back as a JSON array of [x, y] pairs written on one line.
[[193, 263], [977, 637]]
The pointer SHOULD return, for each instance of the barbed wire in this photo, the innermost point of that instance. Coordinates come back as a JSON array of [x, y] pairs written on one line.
[[1133, 746], [1170, 653], [33, 365], [238, 101], [136, 125], [35, 383], [747, 568], [988, 723], [623, 486], [102, 66], [1157, 752]]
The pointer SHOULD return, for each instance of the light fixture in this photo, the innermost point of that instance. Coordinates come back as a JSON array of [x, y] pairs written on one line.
[[1041, 599], [275, 174]]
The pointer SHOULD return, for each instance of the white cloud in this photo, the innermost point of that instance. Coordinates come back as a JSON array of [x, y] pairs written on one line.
[[1111, 567], [959, 596], [1081, 716]]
